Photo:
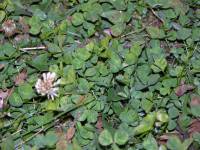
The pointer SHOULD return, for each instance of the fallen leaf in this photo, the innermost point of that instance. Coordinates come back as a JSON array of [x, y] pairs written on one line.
[[2, 66], [153, 20], [183, 88], [194, 127], [195, 101], [81, 100], [21, 37], [162, 140], [21, 77], [99, 124], [4, 95], [62, 143], [108, 32], [70, 133], [24, 26]]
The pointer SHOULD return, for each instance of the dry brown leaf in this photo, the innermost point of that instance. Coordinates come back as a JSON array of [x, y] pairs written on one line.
[[99, 124], [2, 66], [163, 138], [24, 25], [70, 134], [183, 88], [195, 101], [108, 32], [21, 77], [81, 100], [4, 95], [21, 37], [61, 143], [194, 127]]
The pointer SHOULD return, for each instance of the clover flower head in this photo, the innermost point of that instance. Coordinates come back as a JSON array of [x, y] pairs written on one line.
[[9, 27], [48, 85]]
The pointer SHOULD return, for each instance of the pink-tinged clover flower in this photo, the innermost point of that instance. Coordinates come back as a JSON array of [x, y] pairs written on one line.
[[9, 27], [47, 86]]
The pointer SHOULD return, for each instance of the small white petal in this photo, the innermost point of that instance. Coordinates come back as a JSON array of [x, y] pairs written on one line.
[[44, 76], [53, 75], [48, 75], [57, 82], [55, 89]]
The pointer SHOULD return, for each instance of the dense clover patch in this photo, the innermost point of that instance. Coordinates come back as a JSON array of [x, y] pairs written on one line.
[[129, 74]]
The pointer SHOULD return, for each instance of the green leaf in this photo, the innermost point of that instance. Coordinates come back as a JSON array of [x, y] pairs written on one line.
[[115, 63], [184, 33], [8, 143], [173, 112], [15, 100], [77, 19], [105, 138], [53, 48], [196, 34], [90, 28], [150, 143], [78, 63], [83, 86], [120, 137], [146, 105], [118, 29], [129, 116], [160, 64], [39, 141], [118, 4], [40, 62], [35, 24], [196, 137], [187, 143], [50, 138], [83, 53], [174, 143], [114, 16], [92, 116], [8, 50], [171, 125], [93, 11], [39, 13], [162, 116], [69, 75], [195, 110], [132, 56], [146, 124], [90, 72], [184, 19], [85, 132], [2, 15], [25, 91], [155, 32]]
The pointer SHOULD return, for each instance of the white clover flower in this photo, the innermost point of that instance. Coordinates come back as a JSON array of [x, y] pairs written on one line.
[[9, 27], [48, 85]]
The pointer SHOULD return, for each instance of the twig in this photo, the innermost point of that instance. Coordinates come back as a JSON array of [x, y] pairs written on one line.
[[28, 139], [156, 15], [132, 32], [33, 48], [50, 123], [74, 34]]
